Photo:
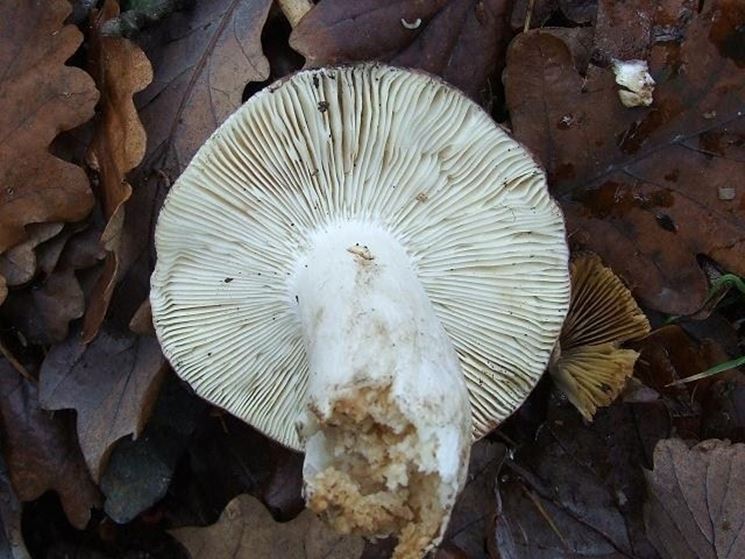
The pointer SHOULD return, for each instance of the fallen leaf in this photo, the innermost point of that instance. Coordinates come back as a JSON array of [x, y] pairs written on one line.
[[112, 384], [11, 538], [695, 500], [44, 310], [475, 507], [225, 458], [141, 322], [3, 289], [723, 413], [18, 265], [247, 531], [461, 40], [578, 490], [41, 452], [669, 354], [641, 187], [39, 97], [120, 69], [540, 12], [579, 11], [203, 58], [139, 471]]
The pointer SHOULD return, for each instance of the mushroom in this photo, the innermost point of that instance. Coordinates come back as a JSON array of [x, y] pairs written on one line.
[[588, 364], [362, 265]]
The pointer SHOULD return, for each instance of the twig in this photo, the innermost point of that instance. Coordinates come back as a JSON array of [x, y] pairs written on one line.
[[15, 363], [294, 10], [528, 15]]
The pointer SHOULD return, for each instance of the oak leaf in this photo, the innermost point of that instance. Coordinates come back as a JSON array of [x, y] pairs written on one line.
[[111, 384], [695, 500], [18, 265], [41, 451], [44, 309], [39, 97], [460, 40], [246, 530], [120, 69], [649, 189]]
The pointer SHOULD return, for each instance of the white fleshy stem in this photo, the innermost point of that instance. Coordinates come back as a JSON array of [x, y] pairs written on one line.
[[294, 10], [388, 427]]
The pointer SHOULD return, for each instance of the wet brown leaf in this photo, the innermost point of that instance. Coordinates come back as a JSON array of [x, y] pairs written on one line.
[[18, 265], [540, 12], [460, 40], [578, 490], [140, 471], [111, 384], [41, 451], [225, 458], [695, 506], [44, 310], [669, 354], [475, 508], [246, 530], [120, 69], [39, 97], [579, 11], [642, 187], [11, 538]]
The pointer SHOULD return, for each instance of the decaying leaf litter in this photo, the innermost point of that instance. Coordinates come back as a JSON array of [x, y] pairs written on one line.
[[110, 454]]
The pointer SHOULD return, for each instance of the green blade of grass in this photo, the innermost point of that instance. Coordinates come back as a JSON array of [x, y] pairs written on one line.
[[715, 370]]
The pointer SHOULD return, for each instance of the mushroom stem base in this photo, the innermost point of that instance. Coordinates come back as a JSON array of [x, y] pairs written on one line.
[[380, 478]]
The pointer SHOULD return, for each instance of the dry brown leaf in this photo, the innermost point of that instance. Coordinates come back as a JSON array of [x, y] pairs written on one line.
[[643, 187], [39, 97], [18, 265], [203, 59], [120, 69], [246, 530], [695, 506], [111, 384], [41, 451], [460, 40]]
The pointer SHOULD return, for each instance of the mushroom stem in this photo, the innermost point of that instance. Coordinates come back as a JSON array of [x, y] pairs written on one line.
[[294, 10], [388, 426]]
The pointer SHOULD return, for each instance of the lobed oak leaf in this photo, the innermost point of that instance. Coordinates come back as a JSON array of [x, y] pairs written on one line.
[[695, 500], [648, 189], [18, 265], [246, 530], [111, 384], [44, 310], [460, 40], [120, 69], [41, 451], [39, 97]]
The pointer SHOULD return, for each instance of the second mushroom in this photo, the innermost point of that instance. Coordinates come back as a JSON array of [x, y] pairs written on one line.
[[362, 265]]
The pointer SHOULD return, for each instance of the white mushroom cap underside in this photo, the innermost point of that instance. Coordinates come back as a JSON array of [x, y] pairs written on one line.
[[371, 142]]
